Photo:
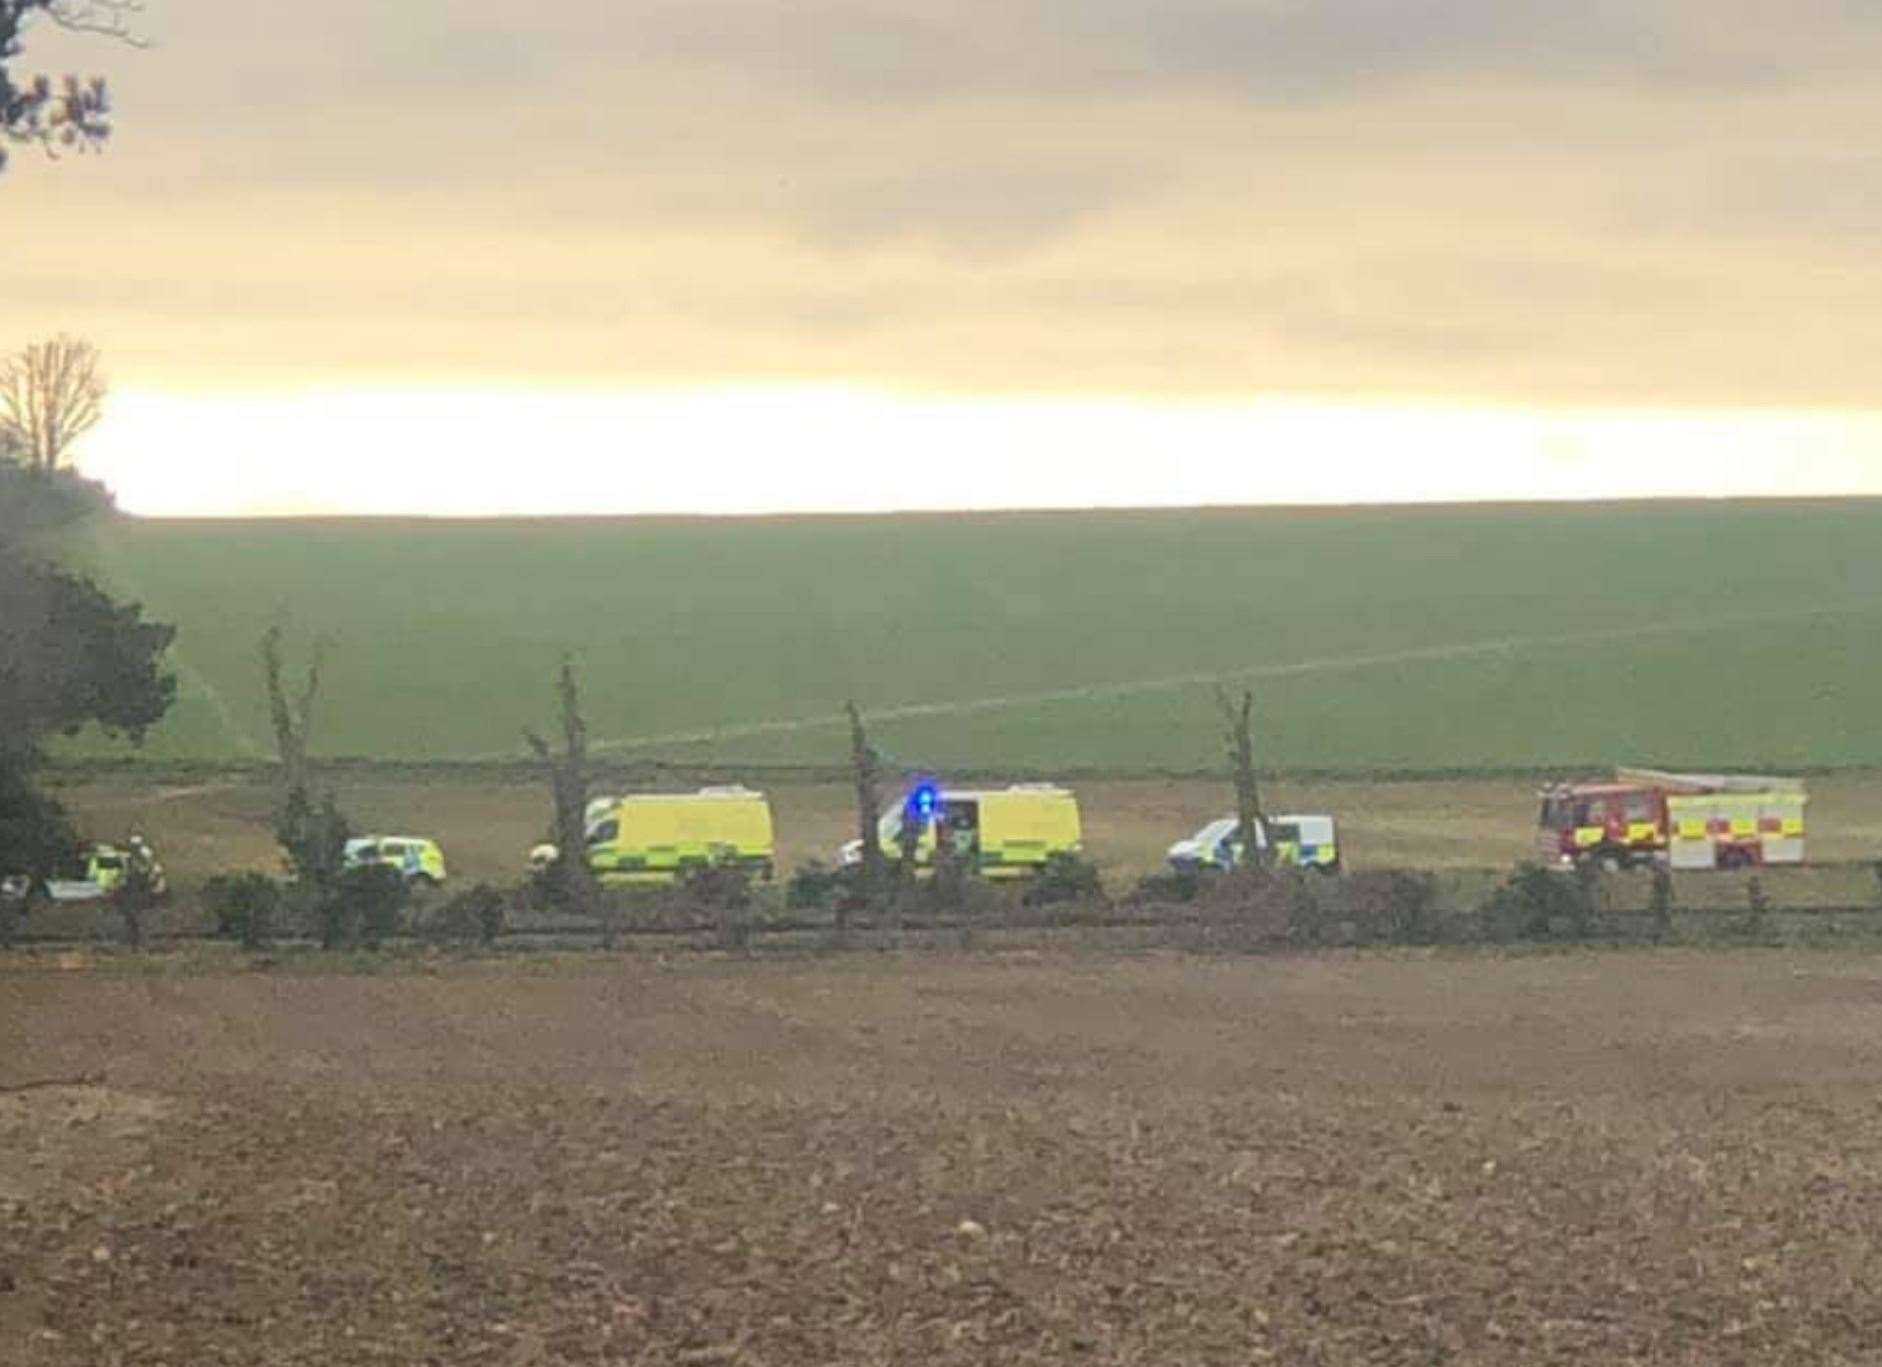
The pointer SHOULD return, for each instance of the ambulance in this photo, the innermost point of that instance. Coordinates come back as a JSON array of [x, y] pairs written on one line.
[[1000, 832], [657, 837]]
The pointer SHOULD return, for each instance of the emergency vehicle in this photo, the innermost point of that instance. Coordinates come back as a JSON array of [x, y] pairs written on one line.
[[98, 872], [542, 856], [417, 858], [656, 837], [1000, 832], [1300, 842], [1684, 821]]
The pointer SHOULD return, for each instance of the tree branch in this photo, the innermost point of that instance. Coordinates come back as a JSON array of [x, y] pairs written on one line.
[[109, 18]]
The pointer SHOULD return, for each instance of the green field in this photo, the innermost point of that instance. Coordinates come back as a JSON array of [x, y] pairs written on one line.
[[1415, 639]]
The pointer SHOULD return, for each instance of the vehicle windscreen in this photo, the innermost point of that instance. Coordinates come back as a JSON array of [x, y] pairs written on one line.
[[1215, 832], [1557, 814], [1316, 830]]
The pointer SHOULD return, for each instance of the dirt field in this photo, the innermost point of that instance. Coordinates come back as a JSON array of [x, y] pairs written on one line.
[[487, 825], [1664, 1158]]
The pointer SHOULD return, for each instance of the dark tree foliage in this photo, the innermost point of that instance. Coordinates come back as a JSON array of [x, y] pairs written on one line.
[[314, 837], [34, 507], [69, 656], [373, 898], [70, 113], [245, 906], [866, 766], [35, 836]]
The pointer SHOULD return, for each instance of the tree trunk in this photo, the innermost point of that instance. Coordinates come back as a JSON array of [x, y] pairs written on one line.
[[291, 719], [567, 773], [864, 767], [314, 837], [908, 843], [1251, 827]]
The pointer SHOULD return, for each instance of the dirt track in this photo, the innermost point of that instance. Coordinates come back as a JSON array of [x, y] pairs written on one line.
[[1619, 1158]]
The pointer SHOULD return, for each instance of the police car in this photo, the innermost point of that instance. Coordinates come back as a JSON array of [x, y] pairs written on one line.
[[419, 859], [95, 875]]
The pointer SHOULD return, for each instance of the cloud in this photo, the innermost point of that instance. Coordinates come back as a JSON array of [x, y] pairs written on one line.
[[1287, 50], [1509, 199], [980, 209], [1812, 193], [1331, 47]]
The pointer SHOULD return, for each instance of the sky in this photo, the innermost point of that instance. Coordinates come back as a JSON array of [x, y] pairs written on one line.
[[470, 257]]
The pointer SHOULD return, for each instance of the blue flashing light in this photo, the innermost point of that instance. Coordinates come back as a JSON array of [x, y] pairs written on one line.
[[922, 802]]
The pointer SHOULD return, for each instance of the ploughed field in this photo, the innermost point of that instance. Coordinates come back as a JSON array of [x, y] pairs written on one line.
[[1431, 639], [1625, 1158]]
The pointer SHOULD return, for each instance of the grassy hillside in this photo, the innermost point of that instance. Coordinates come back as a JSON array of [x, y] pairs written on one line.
[[1414, 638]]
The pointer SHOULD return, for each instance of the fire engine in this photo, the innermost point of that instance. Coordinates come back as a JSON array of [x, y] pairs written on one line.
[[1684, 821]]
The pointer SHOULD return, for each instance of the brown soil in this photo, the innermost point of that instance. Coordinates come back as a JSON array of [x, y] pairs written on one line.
[[1664, 1158]]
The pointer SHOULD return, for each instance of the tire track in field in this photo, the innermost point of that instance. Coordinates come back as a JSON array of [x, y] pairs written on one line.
[[1330, 664], [218, 706]]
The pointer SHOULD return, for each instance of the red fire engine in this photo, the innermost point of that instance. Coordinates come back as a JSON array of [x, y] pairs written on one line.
[[1685, 821]]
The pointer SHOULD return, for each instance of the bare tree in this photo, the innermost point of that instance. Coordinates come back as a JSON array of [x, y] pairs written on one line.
[[312, 834], [291, 717], [865, 764], [51, 394], [1251, 827], [568, 785]]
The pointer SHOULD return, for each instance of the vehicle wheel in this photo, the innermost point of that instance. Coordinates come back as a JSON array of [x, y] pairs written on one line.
[[423, 885], [1612, 863]]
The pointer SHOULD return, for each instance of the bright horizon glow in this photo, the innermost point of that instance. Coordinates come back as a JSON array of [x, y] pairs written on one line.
[[806, 449]]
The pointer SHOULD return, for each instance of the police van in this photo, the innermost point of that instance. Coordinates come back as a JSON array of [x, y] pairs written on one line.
[[1300, 842]]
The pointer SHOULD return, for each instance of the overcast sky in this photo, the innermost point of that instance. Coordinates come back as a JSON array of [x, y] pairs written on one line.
[[1571, 214]]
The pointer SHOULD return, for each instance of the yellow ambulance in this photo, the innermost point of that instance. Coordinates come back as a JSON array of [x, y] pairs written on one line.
[[657, 837], [1000, 832]]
